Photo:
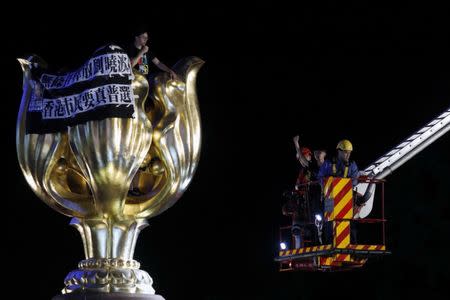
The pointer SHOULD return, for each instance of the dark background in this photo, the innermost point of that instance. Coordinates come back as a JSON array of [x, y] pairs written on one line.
[[370, 72]]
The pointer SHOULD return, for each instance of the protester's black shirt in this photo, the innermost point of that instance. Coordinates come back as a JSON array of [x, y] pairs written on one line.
[[143, 62]]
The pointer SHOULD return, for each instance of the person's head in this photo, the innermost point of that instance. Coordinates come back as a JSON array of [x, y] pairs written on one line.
[[141, 39], [140, 34], [306, 153], [319, 155], [344, 148]]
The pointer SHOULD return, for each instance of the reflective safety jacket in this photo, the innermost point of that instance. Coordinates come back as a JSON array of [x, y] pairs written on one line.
[[338, 168]]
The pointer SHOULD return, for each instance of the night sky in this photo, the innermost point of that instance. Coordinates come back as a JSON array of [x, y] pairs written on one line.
[[370, 72]]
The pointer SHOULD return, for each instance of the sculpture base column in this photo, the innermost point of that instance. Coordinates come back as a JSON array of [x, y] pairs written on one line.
[[107, 296]]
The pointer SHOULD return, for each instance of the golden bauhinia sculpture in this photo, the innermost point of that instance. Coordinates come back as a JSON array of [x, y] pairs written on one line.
[[83, 136]]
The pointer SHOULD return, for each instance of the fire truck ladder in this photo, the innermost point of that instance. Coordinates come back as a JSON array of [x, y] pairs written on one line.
[[400, 154]]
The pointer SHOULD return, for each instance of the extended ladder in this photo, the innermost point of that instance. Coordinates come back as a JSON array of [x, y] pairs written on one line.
[[400, 154]]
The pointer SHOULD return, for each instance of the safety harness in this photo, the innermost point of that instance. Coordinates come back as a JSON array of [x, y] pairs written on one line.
[[345, 175]]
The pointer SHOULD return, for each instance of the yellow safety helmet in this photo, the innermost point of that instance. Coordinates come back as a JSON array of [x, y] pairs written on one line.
[[345, 145]]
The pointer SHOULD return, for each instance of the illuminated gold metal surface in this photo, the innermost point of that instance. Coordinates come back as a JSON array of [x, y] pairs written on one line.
[[86, 173]]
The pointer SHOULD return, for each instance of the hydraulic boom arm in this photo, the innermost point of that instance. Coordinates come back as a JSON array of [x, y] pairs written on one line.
[[400, 154]]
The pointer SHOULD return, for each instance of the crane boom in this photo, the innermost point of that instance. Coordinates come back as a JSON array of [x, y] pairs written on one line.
[[400, 154]]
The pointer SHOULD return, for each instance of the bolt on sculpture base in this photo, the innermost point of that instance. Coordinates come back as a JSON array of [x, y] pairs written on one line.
[[80, 149]]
